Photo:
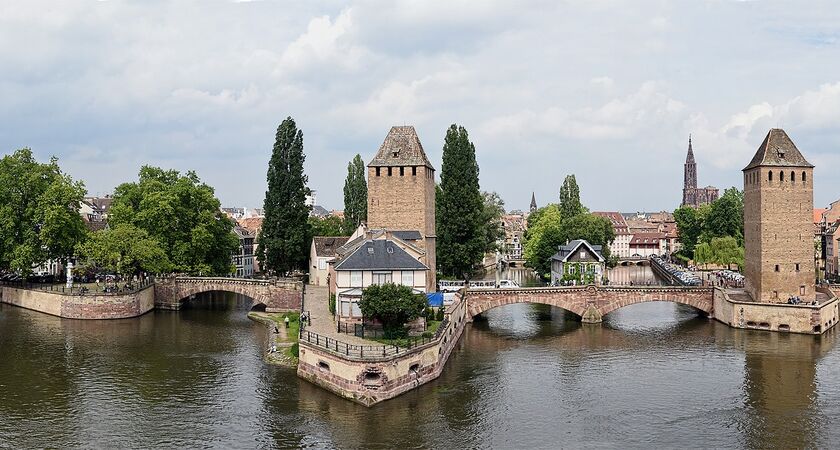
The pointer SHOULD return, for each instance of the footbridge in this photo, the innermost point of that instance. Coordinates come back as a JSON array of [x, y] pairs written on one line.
[[275, 294], [591, 302]]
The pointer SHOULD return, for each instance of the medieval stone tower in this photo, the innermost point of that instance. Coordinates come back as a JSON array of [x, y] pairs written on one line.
[[778, 221], [401, 192]]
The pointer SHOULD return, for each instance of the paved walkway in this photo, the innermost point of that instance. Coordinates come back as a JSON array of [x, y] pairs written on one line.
[[316, 300]]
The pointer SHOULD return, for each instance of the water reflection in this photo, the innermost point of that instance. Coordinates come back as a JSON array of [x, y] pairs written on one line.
[[528, 376]]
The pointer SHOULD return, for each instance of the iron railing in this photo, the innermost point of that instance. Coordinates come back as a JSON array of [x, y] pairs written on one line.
[[370, 351], [105, 288]]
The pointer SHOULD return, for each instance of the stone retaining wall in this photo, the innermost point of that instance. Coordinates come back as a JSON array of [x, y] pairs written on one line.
[[805, 319], [372, 380], [89, 306]]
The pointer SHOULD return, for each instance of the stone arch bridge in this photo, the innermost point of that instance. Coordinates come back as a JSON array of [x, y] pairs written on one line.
[[275, 294], [591, 303]]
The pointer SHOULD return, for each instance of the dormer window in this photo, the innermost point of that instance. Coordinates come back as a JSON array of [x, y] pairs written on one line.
[[781, 152]]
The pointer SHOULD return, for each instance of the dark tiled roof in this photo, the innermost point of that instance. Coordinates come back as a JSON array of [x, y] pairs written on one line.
[[778, 150], [319, 211], [401, 147], [571, 247], [409, 235], [380, 254], [325, 246]]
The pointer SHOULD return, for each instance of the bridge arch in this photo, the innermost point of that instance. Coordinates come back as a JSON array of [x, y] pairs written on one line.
[[276, 294], [591, 303], [259, 299]]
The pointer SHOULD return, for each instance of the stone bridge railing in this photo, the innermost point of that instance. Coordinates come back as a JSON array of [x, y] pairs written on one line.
[[276, 294], [590, 302]]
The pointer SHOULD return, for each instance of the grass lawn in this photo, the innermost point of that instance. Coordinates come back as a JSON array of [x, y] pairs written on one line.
[[431, 327], [292, 332]]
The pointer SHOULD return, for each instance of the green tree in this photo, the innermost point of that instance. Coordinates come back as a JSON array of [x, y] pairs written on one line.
[[727, 251], [461, 233], [124, 249], [570, 205], [285, 235], [326, 226], [393, 305], [594, 229], [544, 237], [491, 219], [690, 224], [703, 253], [182, 214], [725, 217], [39, 212], [355, 195]]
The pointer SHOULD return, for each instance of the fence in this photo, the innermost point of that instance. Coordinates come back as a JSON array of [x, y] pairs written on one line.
[[370, 351], [105, 288]]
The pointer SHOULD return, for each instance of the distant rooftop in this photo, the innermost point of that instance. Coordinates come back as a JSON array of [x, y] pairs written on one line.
[[401, 147]]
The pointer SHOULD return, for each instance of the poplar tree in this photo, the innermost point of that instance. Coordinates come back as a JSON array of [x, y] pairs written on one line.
[[460, 207], [284, 238], [570, 205], [355, 195]]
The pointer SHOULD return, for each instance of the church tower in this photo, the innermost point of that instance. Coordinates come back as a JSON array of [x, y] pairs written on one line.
[[778, 221], [401, 192], [533, 202], [690, 178]]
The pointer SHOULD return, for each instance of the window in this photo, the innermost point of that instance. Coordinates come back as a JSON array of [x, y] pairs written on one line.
[[407, 278], [414, 171], [377, 171], [356, 278], [801, 290], [770, 176], [402, 172], [389, 171], [381, 277], [804, 177], [777, 267], [322, 263], [781, 176], [583, 254], [797, 267], [792, 176]]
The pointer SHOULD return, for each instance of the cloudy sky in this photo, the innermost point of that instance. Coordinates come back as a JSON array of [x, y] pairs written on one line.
[[606, 90]]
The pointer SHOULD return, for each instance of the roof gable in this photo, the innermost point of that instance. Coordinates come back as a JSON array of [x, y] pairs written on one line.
[[778, 150], [379, 254], [570, 249], [401, 147]]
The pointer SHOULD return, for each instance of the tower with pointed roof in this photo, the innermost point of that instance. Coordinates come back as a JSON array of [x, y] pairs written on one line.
[[692, 195], [533, 202], [401, 191], [690, 178], [778, 221]]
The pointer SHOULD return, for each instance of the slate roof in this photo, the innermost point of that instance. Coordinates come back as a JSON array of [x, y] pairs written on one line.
[[319, 211], [571, 247], [408, 235], [401, 147], [778, 150], [325, 246], [379, 254]]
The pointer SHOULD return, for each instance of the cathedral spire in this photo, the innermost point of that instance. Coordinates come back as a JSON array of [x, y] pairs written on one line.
[[533, 202], [689, 159]]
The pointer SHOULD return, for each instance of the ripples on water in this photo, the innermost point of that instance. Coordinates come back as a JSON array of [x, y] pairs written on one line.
[[525, 376]]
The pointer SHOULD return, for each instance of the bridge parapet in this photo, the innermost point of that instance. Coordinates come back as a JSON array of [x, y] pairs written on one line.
[[282, 294], [590, 302]]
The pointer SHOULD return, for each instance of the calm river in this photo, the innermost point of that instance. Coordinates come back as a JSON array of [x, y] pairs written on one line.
[[652, 375]]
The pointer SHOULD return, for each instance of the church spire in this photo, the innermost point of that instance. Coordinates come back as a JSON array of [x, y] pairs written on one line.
[[533, 202], [689, 159]]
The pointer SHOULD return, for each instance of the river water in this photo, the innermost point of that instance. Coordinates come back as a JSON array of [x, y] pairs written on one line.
[[526, 376]]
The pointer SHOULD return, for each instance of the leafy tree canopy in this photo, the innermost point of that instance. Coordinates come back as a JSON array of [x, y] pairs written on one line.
[[181, 214], [544, 236], [39, 212], [124, 249], [327, 226], [355, 194], [570, 205], [393, 305], [594, 229], [723, 218], [285, 235], [491, 218], [461, 232]]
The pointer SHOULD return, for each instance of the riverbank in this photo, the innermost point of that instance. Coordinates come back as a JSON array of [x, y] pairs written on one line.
[[282, 346]]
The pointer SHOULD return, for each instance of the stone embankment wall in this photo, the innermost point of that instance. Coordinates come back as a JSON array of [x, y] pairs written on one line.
[[807, 319], [370, 379], [89, 306]]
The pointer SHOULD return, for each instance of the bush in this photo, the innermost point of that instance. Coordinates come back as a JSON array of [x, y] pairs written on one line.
[[429, 313], [332, 304], [427, 334], [440, 313], [393, 305]]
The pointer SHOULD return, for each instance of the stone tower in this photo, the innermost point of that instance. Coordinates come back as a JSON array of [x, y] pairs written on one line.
[[690, 178], [401, 192], [778, 221]]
